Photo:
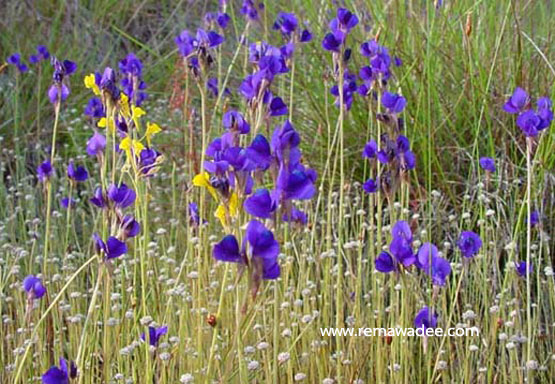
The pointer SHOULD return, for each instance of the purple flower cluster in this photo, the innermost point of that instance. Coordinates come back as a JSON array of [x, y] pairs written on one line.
[[132, 84], [530, 121], [59, 91], [401, 254]]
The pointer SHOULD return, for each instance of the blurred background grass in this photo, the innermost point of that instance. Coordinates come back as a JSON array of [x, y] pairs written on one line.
[[461, 60]]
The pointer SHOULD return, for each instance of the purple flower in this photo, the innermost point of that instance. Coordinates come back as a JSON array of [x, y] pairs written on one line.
[[60, 375], [33, 286], [517, 101], [227, 250], [306, 36], [132, 65], [223, 19], [149, 160], [95, 108], [393, 102], [545, 112], [259, 152], [58, 93], [204, 40], [263, 251], [296, 184], [345, 21], [154, 335], [425, 319], [234, 121], [401, 244], [250, 87], [249, 10], [98, 198], [426, 254], [333, 41], [439, 270], [78, 173], [66, 202], [194, 217], [121, 195], [45, 171], [469, 243], [370, 186], [534, 218], [487, 164], [260, 204], [16, 61], [296, 216], [370, 150], [108, 83], [286, 23], [529, 122], [42, 54], [523, 269], [96, 144], [112, 248], [129, 226], [385, 263], [277, 107]]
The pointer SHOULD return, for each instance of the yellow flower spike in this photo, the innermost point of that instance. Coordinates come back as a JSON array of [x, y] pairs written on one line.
[[203, 180], [124, 105], [103, 121], [90, 83], [151, 130], [127, 144], [137, 112], [233, 205]]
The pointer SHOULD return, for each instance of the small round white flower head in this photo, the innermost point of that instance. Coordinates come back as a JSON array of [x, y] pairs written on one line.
[[283, 357], [299, 376], [286, 333], [328, 380], [262, 345], [510, 345], [532, 365], [165, 356], [253, 365], [186, 378], [473, 348], [249, 349], [442, 365]]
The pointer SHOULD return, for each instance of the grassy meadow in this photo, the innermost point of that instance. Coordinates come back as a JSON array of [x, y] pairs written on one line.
[[231, 192]]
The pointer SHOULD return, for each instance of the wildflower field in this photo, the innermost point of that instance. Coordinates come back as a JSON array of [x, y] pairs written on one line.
[[231, 191]]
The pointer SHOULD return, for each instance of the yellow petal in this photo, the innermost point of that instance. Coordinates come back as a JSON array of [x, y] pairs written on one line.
[[220, 214], [151, 130], [203, 180], [124, 105], [233, 204], [138, 147], [138, 112], [125, 144], [90, 83]]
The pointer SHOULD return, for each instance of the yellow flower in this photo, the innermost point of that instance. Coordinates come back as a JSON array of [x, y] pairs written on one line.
[[127, 144], [151, 130], [136, 113], [90, 83], [232, 209], [124, 105], [203, 180], [102, 123]]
